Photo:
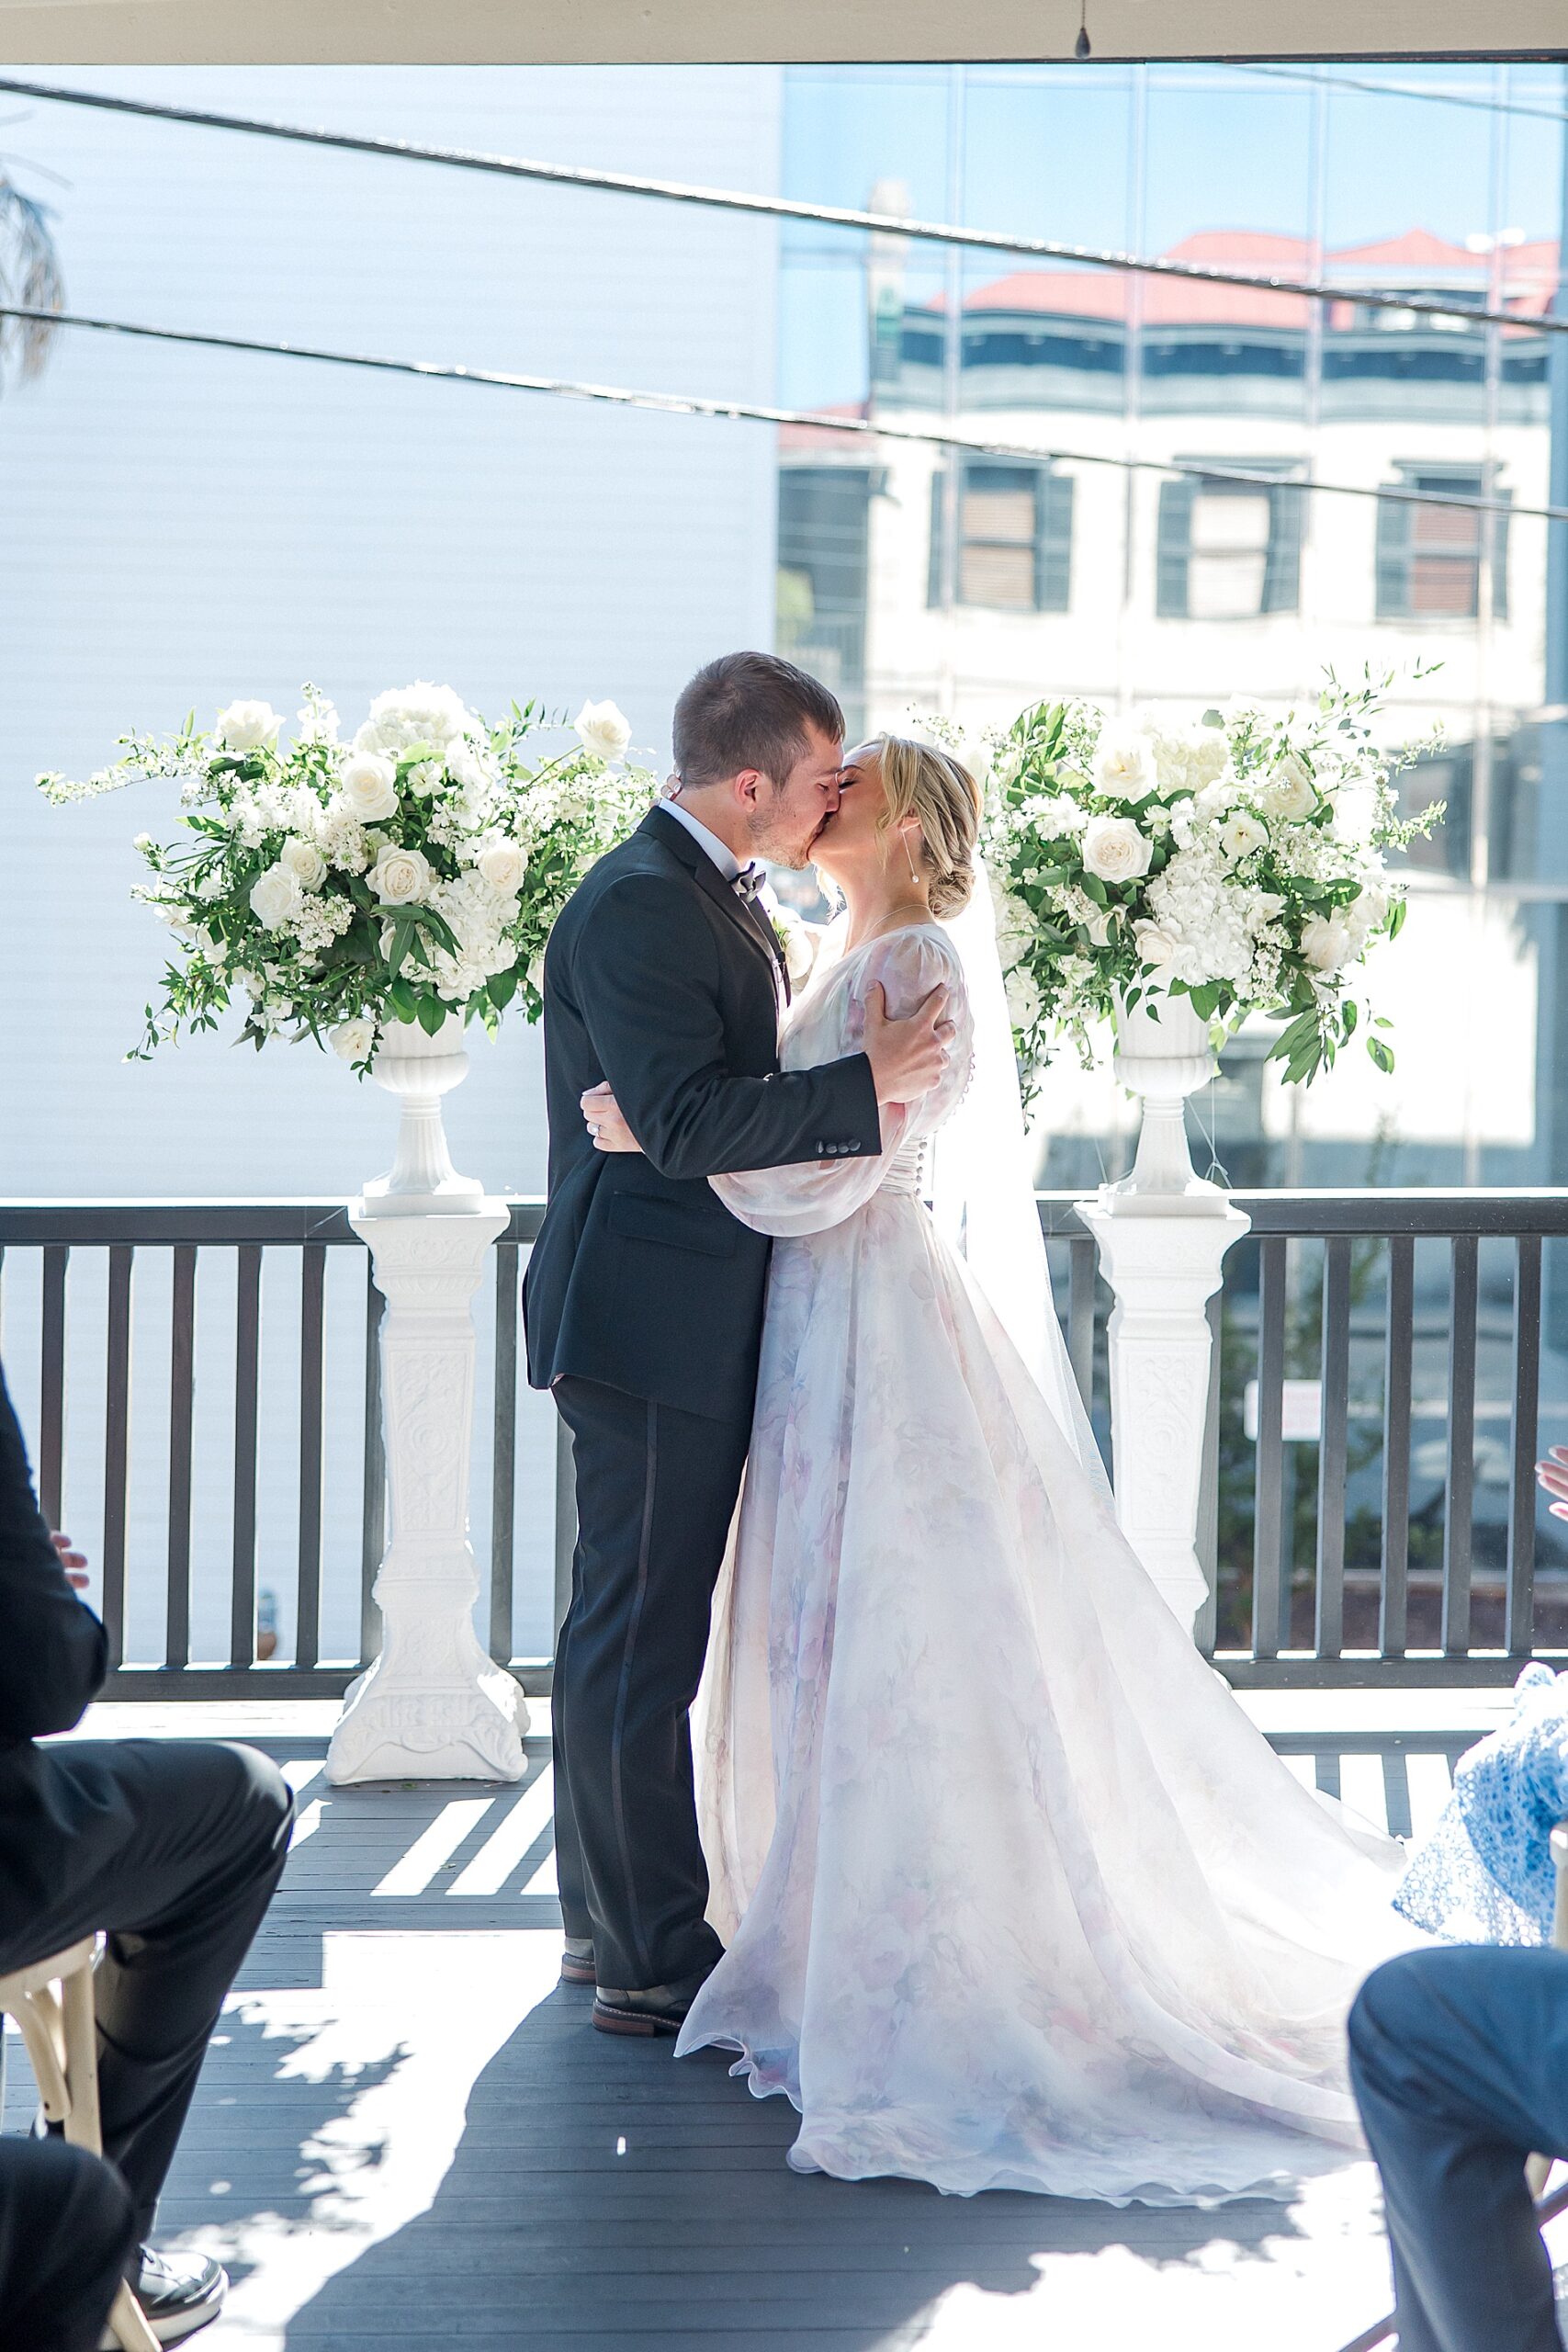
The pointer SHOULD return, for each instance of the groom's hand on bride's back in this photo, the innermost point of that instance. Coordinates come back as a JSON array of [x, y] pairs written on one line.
[[906, 1056]]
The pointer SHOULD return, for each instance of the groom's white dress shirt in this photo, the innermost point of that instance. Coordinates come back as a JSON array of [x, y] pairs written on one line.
[[723, 856]]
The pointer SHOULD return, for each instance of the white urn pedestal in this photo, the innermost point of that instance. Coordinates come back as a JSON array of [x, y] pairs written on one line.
[[433, 1705], [1162, 1235]]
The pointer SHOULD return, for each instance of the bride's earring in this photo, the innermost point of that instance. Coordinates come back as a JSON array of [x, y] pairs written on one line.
[[911, 855]]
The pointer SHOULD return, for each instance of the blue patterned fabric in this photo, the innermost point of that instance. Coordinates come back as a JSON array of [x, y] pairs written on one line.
[[1485, 1874]]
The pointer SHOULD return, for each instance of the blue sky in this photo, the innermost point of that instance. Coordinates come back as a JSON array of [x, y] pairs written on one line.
[[1049, 151]]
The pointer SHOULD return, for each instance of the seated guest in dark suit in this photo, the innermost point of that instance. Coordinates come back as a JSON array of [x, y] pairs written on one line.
[[173, 1847], [1460, 2060], [67, 2236]]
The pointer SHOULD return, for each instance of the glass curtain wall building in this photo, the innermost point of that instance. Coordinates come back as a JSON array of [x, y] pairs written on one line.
[[976, 585]]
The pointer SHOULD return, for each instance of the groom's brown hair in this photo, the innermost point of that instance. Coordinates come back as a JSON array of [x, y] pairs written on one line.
[[749, 710]]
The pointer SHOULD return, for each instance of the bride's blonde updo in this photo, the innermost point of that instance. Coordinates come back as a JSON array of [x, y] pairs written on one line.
[[921, 781]]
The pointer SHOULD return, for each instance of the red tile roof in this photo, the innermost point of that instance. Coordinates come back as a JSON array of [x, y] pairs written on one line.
[[1418, 260]]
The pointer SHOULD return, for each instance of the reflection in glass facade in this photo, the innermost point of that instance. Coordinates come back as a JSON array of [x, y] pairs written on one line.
[[911, 576], [976, 585]]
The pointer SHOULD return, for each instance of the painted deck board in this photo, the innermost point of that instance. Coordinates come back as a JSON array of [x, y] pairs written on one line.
[[407, 2136]]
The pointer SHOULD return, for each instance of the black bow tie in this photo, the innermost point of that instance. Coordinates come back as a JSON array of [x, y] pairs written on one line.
[[747, 882]]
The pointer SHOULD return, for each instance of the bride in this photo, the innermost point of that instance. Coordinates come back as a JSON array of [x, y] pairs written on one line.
[[1014, 1895]]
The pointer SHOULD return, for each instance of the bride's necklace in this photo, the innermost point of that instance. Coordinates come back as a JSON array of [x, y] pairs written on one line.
[[897, 918]]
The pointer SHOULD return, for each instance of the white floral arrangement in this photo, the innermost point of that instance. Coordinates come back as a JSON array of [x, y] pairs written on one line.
[[340, 888], [1240, 862]]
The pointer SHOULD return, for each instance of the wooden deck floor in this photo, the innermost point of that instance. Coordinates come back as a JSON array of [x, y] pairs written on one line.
[[407, 2136]]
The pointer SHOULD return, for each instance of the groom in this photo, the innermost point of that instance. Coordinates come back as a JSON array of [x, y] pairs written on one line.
[[643, 1299]]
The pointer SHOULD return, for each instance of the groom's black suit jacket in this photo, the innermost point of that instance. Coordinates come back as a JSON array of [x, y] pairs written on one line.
[[658, 978]]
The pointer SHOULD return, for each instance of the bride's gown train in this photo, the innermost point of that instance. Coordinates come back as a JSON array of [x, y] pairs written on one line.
[[1014, 1895]]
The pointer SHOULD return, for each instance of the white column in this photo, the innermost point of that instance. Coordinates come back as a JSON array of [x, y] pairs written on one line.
[[1163, 1268], [1162, 1235], [434, 1705]]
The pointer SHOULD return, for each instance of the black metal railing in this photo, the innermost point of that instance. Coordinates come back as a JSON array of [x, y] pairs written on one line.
[[233, 1495]]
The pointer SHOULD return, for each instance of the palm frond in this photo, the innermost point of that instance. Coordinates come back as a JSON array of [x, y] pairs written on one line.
[[31, 278]]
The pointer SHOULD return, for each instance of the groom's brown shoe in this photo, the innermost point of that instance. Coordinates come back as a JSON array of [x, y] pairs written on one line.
[[577, 1961], [658, 2008]]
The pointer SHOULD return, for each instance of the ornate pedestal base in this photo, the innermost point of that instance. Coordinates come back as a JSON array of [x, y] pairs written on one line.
[[433, 1706], [1164, 1262]]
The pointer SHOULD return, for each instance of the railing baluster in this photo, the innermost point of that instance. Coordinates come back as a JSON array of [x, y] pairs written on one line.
[[1206, 1625], [51, 1413], [247, 1362], [373, 1539], [1460, 1494], [181, 1399], [1080, 1315], [1397, 1374], [566, 1528], [503, 1475], [117, 1445], [308, 1609], [1518, 1634], [1333, 1371], [1268, 1589]]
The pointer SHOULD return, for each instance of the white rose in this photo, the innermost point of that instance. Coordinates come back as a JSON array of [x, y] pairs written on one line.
[[247, 725], [602, 731], [1124, 762], [1023, 998], [1371, 908], [143, 841], [369, 788], [502, 866], [1099, 922], [798, 940], [401, 878], [1115, 850], [1242, 835], [305, 862], [1157, 946], [1325, 943], [275, 897], [1290, 791], [353, 1039]]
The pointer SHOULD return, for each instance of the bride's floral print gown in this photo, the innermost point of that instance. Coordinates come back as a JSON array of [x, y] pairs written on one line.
[[1014, 1895]]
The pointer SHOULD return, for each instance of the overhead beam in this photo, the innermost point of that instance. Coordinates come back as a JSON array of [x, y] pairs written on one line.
[[679, 32]]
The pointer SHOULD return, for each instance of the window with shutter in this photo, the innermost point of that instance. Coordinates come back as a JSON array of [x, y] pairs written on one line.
[[1428, 556], [1015, 527], [1229, 550]]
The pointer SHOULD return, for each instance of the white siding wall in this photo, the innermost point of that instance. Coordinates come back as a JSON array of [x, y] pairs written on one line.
[[179, 526]]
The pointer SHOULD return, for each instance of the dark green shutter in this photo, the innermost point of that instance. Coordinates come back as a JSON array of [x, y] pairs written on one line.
[[1395, 521], [1174, 548], [1499, 556], [933, 569], [1282, 574], [1053, 557]]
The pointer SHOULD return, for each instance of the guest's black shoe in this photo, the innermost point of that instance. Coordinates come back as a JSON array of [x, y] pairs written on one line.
[[179, 2293], [658, 2008], [577, 1961]]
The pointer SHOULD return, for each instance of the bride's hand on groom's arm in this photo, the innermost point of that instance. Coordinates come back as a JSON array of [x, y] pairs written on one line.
[[606, 1123]]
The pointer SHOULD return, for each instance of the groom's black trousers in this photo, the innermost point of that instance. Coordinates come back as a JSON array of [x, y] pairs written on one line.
[[656, 1491]]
